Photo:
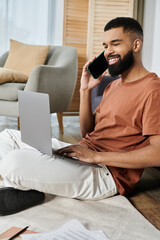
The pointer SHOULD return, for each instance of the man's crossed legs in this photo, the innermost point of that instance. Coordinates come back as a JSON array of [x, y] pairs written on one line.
[[25, 168]]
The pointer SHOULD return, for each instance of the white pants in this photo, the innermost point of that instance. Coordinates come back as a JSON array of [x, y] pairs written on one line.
[[24, 167]]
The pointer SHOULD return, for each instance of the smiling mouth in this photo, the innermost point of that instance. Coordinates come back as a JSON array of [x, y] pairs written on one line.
[[112, 60]]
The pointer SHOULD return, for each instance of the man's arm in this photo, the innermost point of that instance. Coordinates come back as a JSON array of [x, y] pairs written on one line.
[[85, 112], [148, 156], [87, 118]]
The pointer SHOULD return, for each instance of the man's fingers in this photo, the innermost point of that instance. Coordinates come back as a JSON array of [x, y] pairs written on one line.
[[61, 151], [72, 154], [66, 150], [88, 62]]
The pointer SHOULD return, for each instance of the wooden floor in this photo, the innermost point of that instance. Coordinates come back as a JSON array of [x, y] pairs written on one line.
[[146, 196]]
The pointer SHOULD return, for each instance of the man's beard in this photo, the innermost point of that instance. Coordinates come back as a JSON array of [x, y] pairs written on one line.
[[122, 64]]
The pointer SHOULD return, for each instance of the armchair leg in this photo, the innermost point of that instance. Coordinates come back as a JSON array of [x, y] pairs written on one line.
[[60, 121], [18, 123]]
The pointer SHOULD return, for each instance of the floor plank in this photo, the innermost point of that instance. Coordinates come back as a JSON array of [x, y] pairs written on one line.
[[148, 206]]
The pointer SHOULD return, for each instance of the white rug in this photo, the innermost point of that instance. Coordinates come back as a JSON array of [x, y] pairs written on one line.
[[68, 121], [115, 216]]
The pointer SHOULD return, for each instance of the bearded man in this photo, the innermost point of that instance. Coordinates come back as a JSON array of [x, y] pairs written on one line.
[[123, 136]]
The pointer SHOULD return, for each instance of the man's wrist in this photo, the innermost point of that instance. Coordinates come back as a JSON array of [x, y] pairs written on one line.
[[97, 158], [83, 90]]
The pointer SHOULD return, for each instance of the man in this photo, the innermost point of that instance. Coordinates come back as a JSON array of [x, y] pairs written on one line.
[[123, 135]]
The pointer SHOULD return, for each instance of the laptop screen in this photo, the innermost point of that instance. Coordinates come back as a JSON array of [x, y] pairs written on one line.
[[35, 121]]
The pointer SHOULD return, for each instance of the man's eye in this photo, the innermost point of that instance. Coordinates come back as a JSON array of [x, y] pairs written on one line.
[[116, 44]]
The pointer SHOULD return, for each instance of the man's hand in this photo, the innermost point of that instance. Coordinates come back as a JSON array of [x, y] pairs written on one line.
[[87, 81], [81, 152]]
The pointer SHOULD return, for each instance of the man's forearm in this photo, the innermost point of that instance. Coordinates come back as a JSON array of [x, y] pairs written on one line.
[[145, 157], [86, 115]]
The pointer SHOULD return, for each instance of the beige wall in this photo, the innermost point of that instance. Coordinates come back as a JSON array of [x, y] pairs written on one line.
[[151, 27]]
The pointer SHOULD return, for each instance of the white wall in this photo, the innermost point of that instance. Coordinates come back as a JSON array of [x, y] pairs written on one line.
[[156, 41], [151, 27], [57, 28], [31, 21]]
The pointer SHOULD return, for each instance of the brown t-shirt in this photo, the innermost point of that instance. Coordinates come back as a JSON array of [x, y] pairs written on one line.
[[129, 113]]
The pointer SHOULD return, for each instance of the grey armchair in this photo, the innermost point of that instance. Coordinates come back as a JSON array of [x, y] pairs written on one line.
[[57, 78]]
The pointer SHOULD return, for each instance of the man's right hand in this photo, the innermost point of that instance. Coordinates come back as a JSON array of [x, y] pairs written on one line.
[[87, 81]]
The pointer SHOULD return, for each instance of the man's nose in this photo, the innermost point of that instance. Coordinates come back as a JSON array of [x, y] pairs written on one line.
[[109, 50]]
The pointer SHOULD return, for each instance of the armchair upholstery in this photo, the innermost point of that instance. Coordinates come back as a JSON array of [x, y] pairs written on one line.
[[97, 92], [57, 78]]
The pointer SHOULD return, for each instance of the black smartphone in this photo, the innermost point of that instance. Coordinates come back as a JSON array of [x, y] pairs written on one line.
[[98, 66]]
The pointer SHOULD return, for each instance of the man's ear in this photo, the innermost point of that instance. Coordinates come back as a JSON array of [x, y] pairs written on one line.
[[137, 45]]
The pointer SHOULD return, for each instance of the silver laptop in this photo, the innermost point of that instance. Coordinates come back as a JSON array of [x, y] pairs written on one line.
[[35, 122]]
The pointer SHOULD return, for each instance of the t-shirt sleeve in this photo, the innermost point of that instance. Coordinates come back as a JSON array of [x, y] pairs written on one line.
[[151, 115]]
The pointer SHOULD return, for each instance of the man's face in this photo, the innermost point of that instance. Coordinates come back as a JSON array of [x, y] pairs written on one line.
[[122, 64], [118, 51]]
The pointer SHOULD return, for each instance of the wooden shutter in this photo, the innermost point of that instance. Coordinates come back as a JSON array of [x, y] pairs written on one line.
[[84, 21], [75, 34], [101, 12]]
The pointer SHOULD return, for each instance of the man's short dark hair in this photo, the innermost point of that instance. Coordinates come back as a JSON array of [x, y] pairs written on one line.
[[128, 24]]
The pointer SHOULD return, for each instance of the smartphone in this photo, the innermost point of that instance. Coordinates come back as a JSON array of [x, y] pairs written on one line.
[[98, 66]]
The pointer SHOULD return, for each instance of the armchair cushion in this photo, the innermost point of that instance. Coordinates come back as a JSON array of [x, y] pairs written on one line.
[[24, 57], [8, 75], [9, 91]]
